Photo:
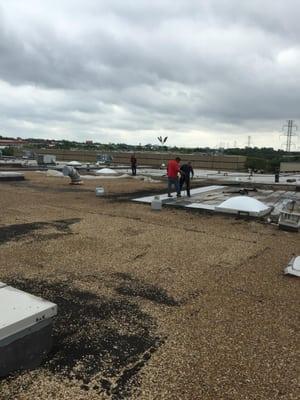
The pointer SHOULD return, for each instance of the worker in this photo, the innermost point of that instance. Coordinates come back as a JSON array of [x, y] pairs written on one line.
[[133, 162], [173, 173], [187, 173]]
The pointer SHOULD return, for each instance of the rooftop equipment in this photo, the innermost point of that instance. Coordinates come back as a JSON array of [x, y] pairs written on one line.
[[105, 171], [156, 203], [74, 164], [289, 217], [25, 329], [99, 191], [73, 174], [104, 159], [244, 205], [46, 159], [293, 267], [11, 176]]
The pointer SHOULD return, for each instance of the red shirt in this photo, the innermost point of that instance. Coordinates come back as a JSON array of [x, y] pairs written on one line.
[[173, 169]]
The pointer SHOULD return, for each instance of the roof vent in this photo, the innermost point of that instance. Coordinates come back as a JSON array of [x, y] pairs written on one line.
[[293, 267], [244, 205]]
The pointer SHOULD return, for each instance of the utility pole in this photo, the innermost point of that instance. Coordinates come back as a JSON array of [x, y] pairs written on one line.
[[289, 133]]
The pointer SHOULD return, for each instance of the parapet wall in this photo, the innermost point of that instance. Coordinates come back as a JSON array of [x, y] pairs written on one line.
[[233, 163]]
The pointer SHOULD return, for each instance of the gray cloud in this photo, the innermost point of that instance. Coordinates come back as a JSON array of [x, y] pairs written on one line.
[[203, 71]]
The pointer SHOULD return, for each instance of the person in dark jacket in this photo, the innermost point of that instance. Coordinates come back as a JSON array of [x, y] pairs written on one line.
[[133, 163], [187, 173]]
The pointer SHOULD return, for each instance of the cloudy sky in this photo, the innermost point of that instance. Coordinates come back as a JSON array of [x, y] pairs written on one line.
[[203, 73]]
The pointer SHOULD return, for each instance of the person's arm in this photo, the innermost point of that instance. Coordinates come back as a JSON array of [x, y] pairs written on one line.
[[192, 172]]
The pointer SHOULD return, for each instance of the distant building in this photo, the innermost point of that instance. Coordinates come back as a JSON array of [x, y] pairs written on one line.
[[88, 142], [291, 166], [12, 142]]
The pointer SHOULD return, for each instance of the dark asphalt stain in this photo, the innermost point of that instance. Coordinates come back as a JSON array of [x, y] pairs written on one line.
[[100, 342], [133, 287], [41, 188], [19, 231]]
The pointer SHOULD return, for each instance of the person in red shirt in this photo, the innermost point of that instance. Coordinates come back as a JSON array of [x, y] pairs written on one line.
[[173, 172]]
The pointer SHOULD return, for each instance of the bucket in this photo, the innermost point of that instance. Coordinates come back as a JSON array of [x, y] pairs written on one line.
[[156, 203], [99, 191]]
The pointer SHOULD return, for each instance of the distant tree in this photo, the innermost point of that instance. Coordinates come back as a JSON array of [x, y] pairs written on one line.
[[8, 151]]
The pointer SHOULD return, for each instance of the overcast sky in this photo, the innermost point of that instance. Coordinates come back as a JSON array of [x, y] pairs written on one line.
[[203, 73]]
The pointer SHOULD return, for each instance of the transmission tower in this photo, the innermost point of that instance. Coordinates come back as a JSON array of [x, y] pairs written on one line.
[[289, 133], [248, 144]]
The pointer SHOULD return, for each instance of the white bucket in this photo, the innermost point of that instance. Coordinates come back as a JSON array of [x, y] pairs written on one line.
[[156, 203], [99, 191]]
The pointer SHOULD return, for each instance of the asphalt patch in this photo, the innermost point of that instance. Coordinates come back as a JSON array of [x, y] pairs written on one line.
[[40, 188], [133, 287], [19, 231], [100, 342]]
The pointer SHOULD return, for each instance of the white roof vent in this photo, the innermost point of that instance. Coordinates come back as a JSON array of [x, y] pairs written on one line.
[[74, 163], [244, 205], [106, 171], [293, 267]]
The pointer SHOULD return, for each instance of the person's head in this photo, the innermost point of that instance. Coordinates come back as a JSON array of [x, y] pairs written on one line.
[[178, 159], [189, 163]]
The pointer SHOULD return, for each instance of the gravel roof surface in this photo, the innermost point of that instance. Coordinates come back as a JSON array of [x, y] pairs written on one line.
[[151, 305]]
